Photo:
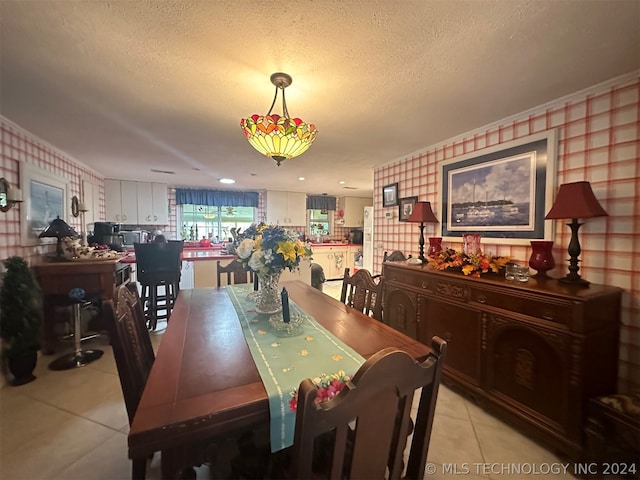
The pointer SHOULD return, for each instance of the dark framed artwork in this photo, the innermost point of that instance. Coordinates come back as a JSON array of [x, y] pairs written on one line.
[[390, 195], [405, 207], [502, 192], [45, 198]]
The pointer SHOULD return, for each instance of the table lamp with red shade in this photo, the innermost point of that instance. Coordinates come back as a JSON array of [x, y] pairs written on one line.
[[422, 214], [575, 200]]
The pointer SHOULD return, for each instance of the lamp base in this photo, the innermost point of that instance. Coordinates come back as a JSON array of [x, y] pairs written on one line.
[[579, 281]]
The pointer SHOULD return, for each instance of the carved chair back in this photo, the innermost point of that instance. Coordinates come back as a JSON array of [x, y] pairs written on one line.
[[365, 426], [362, 292]]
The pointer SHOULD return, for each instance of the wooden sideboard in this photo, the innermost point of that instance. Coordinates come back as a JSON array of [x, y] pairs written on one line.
[[99, 280], [531, 353]]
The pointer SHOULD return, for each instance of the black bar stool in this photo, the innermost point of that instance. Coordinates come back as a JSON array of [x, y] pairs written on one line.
[[158, 272], [79, 357]]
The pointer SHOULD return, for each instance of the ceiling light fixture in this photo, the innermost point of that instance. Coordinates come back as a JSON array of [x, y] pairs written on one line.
[[227, 180], [278, 137]]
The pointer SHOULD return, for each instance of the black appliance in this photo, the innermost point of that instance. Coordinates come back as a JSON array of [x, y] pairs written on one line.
[[105, 228], [356, 236], [106, 233]]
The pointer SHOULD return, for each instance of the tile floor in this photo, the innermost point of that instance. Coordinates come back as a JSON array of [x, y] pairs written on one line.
[[73, 425]]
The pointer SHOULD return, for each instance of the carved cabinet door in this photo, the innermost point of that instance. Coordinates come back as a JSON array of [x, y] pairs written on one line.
[[400, 311], [529, 366], [460, 326]]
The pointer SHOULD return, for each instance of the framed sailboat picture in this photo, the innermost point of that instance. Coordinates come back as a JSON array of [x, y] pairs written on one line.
[[503, 192]]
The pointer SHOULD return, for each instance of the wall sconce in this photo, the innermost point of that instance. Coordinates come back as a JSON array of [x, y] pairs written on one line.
[[77, 206], [9, 196]]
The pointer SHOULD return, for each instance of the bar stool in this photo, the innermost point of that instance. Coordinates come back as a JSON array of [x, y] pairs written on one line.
[[158, 272], [79, 357]]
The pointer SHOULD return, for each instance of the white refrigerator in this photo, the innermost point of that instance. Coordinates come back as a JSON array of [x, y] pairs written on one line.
[[367, 240]]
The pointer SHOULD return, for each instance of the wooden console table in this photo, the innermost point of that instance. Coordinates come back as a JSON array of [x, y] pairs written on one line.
[[532, 353], [98, 279]]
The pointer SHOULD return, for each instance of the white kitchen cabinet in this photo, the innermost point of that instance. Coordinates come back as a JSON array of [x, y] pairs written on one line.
[[352, 250], [186, 275], [332, 259], [353, 208], [121, 201], [136, 202], [286, 208], [153, 204]]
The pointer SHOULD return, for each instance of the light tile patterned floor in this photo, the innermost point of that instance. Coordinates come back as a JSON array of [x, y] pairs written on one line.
[[73, 425]]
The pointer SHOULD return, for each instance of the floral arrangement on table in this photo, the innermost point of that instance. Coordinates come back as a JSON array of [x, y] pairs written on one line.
[[473, 264], [328, 387], [269, 249]]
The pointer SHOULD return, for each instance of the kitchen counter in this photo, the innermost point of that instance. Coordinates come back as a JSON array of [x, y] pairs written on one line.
[[334, 244], [191, 254], [199, 267]]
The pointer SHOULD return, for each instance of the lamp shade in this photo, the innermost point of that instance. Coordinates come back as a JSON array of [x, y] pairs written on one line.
[[278, 136], [576, 200], [422, 213], [58, 228]]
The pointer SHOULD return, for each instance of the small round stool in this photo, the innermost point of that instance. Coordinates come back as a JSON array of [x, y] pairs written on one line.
[[79, 357]]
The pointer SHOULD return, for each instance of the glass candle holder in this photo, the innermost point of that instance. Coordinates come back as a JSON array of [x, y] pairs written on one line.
[[541, 258]]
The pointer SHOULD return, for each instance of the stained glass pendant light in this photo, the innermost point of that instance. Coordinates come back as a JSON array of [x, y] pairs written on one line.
[[278, 137]]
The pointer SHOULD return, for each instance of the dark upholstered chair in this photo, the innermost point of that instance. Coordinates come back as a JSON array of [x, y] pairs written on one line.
[[364, 428], [317, 276], [395, 256], [613, 432], [158, 272], [235, 273], [132, 350], [362, 292]]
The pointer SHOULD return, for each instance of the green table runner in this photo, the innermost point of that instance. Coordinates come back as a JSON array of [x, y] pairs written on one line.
[[283, 362]]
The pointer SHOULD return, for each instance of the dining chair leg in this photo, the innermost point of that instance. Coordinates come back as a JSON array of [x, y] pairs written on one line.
[[138, 468]]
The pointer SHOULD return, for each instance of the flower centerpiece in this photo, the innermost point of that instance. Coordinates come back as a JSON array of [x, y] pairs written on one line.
[[473, 264], [328, 387], [268, 250]]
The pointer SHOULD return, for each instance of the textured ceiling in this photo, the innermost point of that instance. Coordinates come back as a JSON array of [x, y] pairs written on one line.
[[130, 86]]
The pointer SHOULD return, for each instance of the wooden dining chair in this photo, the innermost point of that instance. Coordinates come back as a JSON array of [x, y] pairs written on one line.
[[364, 428], [132, 350], [362, 292], [235, 273]]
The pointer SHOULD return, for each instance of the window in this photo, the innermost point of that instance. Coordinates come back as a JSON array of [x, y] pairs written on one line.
[[320, 222], [214, 223]]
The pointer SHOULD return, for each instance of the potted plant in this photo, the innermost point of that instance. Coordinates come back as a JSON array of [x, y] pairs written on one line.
[[21, 319]]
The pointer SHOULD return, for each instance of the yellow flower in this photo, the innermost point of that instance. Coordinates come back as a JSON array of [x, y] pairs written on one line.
[[288, 251]]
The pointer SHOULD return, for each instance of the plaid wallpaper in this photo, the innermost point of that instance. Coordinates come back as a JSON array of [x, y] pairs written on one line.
[[599, 141], [18, 145]]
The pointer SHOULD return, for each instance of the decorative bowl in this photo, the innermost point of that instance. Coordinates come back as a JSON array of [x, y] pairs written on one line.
[[291, 329]]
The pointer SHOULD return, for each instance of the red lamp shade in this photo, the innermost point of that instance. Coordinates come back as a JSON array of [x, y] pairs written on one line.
[[575, 200], [422, 213]]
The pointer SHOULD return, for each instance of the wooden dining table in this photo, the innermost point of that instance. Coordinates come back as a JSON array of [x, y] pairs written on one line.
[[204, 382]]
